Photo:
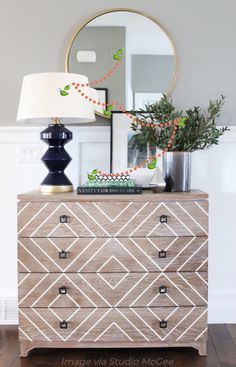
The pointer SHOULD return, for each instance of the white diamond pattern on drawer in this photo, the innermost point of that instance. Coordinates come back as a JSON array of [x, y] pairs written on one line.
[[118, 219], [113, 289], [113, 324], [137, 254]]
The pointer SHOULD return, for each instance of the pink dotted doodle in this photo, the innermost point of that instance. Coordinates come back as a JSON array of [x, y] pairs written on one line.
[[80, 89]]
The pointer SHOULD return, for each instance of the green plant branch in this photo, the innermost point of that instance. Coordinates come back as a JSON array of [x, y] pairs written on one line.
[[196, 131]]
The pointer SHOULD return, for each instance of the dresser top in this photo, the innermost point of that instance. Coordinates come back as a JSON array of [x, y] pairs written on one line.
[[147, 195]]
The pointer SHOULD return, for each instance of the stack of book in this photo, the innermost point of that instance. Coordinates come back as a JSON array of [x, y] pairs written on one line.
[[109, 187]]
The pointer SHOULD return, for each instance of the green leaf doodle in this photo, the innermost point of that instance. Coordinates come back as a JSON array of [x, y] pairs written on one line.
[[91, 177], [182, 122], [152, 164], [63, 93], [118, 55], [107, 111]]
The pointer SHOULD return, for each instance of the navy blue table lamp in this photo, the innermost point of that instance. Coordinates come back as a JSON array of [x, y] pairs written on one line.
[[49, 98]]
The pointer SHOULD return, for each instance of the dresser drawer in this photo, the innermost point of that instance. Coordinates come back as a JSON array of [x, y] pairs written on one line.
[[113, 219], [112, 255], [112, 289], [113, 325]]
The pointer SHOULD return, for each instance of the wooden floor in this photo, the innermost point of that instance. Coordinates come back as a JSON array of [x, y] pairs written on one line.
[[221, 352]]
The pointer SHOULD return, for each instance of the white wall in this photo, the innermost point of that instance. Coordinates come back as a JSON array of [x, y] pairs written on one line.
[[213, 172], [34, 36]]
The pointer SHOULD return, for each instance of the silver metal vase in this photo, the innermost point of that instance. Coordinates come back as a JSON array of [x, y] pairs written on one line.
[[177, 171]]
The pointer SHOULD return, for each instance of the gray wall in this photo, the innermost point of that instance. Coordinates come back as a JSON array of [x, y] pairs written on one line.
[[102, 40], [34, 36], [152, 73]]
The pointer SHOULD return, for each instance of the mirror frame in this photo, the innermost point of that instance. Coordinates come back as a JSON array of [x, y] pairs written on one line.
[[129, 10]]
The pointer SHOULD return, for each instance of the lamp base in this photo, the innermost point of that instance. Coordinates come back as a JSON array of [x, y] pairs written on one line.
[[50, 189], [56, 159]]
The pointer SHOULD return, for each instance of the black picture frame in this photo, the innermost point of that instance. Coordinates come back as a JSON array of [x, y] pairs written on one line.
[[105, 90]]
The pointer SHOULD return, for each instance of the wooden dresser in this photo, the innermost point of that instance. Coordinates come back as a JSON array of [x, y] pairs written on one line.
[[112, 270]]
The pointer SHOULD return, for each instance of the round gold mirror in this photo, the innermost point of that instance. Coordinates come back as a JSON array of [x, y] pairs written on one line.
[[127, 56]]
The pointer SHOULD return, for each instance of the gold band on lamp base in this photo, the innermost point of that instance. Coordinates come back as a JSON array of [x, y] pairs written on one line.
[[50, 189]]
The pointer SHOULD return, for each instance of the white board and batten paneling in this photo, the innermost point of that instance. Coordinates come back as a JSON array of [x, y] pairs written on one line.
[[213, 171]]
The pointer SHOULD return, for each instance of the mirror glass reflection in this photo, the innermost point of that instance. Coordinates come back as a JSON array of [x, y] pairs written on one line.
[[147, 60]]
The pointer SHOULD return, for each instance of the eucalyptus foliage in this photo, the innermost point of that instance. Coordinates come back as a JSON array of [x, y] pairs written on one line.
[[196, 130]]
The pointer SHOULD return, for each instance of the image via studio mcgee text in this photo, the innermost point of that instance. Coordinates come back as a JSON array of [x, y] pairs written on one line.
[[113, 362]]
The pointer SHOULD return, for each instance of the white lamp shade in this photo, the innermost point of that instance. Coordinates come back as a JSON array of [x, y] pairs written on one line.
[[41, 100]]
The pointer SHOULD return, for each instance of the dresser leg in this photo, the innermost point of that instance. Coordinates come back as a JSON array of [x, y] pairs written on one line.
[[24, 350], [202, 348]]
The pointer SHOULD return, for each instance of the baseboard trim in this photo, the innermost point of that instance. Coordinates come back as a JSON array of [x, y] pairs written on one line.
[[222, 306], [8, 311], [9, 322], [222, 314]]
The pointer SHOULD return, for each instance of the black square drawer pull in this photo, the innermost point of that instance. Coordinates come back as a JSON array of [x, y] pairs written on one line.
[[64, 219], [63, 324], [162, 289], [62, 290], [162, 254], [62, 254], [163, 219], [163, 324]]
